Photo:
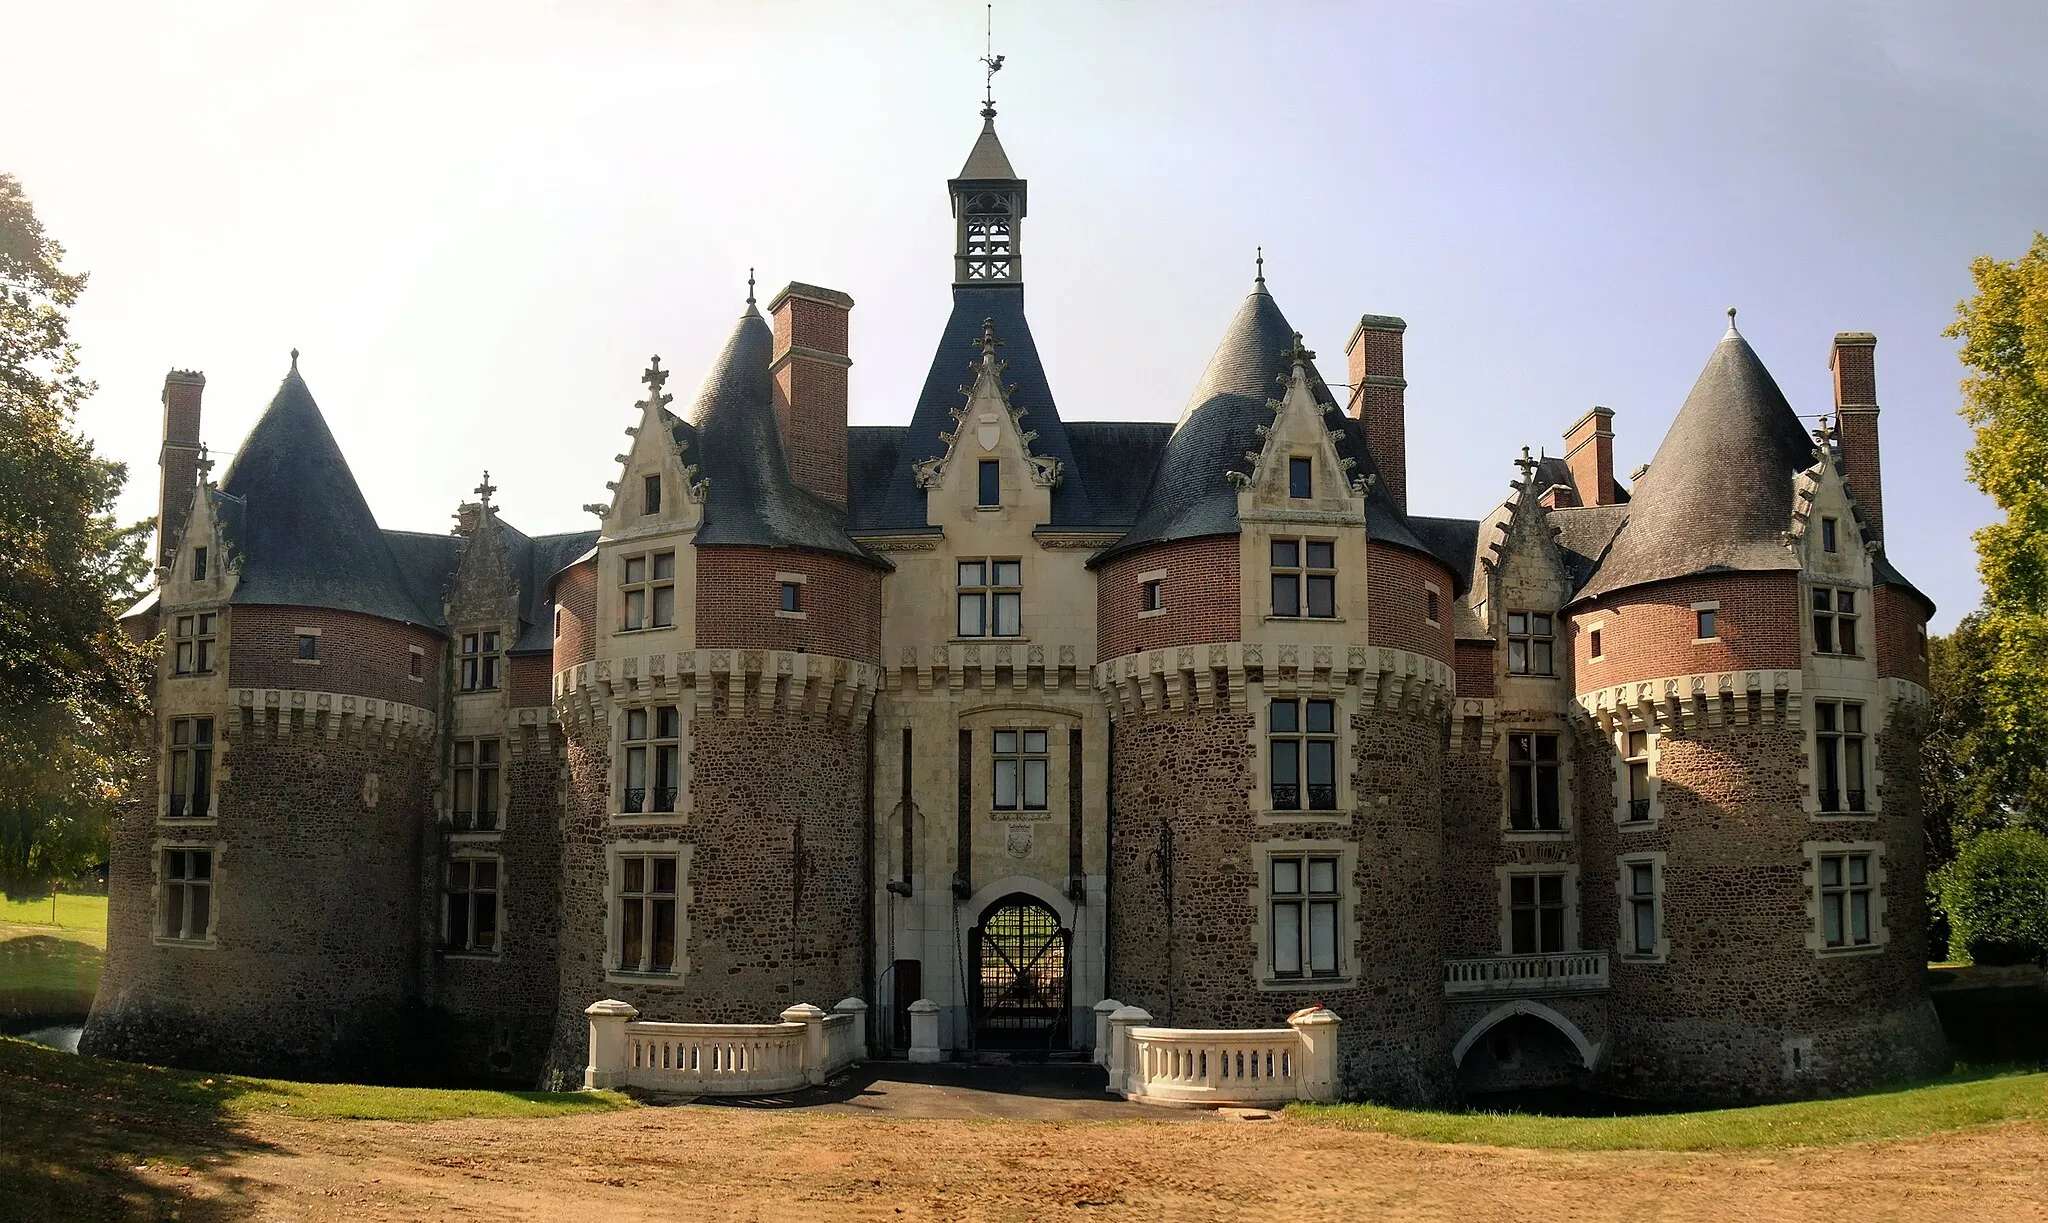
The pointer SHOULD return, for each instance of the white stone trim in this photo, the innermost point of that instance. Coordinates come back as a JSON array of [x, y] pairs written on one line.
[[1880, 934], [814, 685], [685, 894], [1214, 675], [1260, 854], [1704, 699], [1617, 738], [1260, 798], [1624, 943], [330, 712]]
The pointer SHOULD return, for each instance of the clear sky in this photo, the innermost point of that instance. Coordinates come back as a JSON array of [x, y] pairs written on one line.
[[477, 220]]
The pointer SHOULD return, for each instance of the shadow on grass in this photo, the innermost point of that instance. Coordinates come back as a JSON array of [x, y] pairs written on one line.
[[47, 977], [75, 1132]]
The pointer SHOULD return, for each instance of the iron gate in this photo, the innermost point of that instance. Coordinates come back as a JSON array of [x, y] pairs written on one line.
[[1019, 976]]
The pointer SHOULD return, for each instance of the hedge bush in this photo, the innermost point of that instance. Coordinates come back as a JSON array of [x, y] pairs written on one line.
[[1996, 897]]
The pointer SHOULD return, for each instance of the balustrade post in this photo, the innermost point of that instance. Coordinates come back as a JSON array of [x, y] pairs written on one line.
[[1103, 1010], [858, 1008], [1121, 1052], [1316, 1027], [924, 1031], [813, 1019], [608, 1020]]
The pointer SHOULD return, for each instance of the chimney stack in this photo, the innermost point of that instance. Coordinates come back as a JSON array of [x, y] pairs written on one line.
[[809, 368], [1379, 398], [1589, 452], [178, 459], [1854, 362]]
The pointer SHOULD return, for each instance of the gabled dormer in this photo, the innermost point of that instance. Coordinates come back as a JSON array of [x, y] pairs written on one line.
[[990, 476], [660, 489], [1297, 473], [1527, 581]]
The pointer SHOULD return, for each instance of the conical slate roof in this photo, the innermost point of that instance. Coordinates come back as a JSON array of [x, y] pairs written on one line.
[[737, 446], [1718, 495], [1189, 495], [986, 159], [305, 535]]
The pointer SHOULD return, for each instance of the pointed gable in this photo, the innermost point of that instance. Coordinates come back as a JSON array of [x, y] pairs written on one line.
[[1718, 494], [304, 534], [750, 497]]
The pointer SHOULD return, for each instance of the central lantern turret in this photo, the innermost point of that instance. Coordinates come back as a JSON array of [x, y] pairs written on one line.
[[988, 213]]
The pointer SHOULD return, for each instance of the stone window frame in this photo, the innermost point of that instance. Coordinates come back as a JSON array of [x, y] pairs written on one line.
[[989, 591], [1261, 696], [1305, 466], [784, 583], [1302, 574], [1504, 875], [1700, 612], [650, 494], [300, 656], [1654, 748], [215, 741], [1261, 854], [157, 883], [614, 854], [1151, 593], [1567, 780], [649, 587], [486, 661], [1527, 640], [1829, 534], [416, 664], [1023, 760], [1624, 939], [1873, 710], [615, 801], [199, 558], [1880, 934], [1594, 641], [1837, 620], [464, 853], [988, 494], [201, 644], [478, 768], [1432, 604]]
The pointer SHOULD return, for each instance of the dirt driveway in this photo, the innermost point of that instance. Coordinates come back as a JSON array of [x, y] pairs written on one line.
[[868, 1158]]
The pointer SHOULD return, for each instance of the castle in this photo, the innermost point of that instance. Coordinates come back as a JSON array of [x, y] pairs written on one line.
[[1616, 785]]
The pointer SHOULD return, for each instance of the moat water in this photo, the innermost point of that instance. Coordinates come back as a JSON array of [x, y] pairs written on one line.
[[63, 1037]]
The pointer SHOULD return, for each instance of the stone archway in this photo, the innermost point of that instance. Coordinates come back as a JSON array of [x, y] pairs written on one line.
[[1020, 979], [1587, 1049]]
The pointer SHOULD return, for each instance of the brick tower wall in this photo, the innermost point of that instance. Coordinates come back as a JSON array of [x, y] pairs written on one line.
[[739, 597], [576, 598], [1194, 965], [1200, 594], [1398, 606]]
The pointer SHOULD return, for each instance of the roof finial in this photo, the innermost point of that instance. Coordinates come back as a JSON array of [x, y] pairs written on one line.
[[988, 343], [1298, 353], [1260, 279], [205, 465], [295, 360], [994, 64], [1527, 464], [1731, 324], [750, 287], [485, 490]]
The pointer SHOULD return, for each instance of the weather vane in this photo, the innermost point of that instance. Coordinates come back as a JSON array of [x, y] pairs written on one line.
[[994, 64]]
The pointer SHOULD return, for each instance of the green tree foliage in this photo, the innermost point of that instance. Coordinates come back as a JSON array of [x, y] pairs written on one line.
[[1977, 775], [71, 684], [2004, 330], [1996, 897]]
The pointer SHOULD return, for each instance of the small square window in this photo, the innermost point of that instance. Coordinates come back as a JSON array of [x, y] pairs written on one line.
[[198, 564], [1155, 598], [309, 646], [991, 482], [1827, 535], [417, 663], [1300, 481], [1431, 601], [1593, 643], [651, 495], [792, 597], [1709, 624]]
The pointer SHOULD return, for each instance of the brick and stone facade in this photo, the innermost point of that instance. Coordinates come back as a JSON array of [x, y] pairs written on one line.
[[1610, 787]]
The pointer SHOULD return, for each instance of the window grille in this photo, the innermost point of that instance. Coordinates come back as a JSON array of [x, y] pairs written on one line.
[[480, 662], [1838, 741], [472, 906], [1303, 914], [1531, 643], [1536, 914], [476, 785], [1846, 887], [1834, 621], [648, 584], [193, 639], [1641, 880], [653, 760], [187, 894], [1638, 759], [647, 913]]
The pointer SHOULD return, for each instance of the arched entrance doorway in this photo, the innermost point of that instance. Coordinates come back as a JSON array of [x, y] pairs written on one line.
[[1019, 977]]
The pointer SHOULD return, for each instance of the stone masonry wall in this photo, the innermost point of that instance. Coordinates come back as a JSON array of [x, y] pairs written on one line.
[[1194, 964], [314, 912], [1740, 989], [765, 927]]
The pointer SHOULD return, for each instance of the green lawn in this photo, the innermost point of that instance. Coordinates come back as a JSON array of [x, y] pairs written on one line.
[[77, 916], [51, 968], [74, 1130], [1971, 1097]]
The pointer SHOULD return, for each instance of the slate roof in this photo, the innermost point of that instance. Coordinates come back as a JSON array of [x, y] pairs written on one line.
[[305, 534], [429, 563], [1118, 457], [1584, 533], [1718, 495], [986, 160], [1455, 541], [1188, 496], [733, 440], [897, 504]]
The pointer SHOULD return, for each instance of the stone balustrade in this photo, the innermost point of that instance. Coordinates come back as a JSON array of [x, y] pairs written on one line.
[[1568, 972], [723, 1059], [1212, 1068]]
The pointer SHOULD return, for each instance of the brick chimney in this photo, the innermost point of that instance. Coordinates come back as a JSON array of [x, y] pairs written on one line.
[[1854, 362], [809, 368], [1379, 398], [1589, 452], [178, 460]]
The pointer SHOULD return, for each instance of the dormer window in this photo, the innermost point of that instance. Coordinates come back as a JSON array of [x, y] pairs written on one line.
[[1827, 535], [198, 564], [991, 491], [1300, 478], [650, 495]]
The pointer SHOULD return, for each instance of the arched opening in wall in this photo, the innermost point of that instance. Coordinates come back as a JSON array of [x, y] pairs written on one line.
[[1524, 1062], [1019, 977]]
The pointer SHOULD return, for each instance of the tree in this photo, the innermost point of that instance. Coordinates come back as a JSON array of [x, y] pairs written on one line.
[[2004, 330], [72, 685], [1996, 897], [1977, 776]]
